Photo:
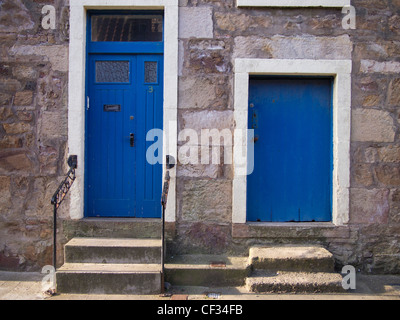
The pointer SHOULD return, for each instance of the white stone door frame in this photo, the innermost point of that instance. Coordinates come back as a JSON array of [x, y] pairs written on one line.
[[341, 71], [77, 80]]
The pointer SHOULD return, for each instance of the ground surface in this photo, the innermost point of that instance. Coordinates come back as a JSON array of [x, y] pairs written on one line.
[[28, 286]]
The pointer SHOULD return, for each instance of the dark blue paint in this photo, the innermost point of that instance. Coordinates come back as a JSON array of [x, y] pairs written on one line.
[[119, 181], [292, 178]]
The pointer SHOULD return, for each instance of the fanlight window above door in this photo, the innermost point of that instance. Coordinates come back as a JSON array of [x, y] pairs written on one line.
[[127, 28]]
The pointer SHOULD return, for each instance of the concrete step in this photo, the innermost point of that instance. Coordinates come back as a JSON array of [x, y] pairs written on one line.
[[82, 278], [292, 258], [114, 251], [206, 271], [294, 282]]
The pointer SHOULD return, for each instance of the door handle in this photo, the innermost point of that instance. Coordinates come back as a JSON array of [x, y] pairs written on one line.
[[132, 140]]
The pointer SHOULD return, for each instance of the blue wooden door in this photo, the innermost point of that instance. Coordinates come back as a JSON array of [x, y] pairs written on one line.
[[292, 122], [125, 97]]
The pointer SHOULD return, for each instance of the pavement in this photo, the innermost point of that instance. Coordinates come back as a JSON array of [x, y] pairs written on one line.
[[28, 286]]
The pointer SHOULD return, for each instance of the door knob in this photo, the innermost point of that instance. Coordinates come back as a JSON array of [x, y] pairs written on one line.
[[132, 140]]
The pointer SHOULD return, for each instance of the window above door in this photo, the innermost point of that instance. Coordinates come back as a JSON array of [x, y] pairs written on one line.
[[293, 3], [127, 27], [134, 31]]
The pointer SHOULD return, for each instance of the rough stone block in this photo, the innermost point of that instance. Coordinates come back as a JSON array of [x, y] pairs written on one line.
[[12, 161], [299, 47], [369, 206], [195, 22], [196, 93], [206, 200], [199, 171], [15, 17], [10, 86], [25, 72], [17, 128], [57, 55], [389, 154], [388, 175], [10, 142], [363, 175], [370, 125], [241, 22], [394, 92], [23, 98], [370, 66], [198, 121], [5, 113], [5, 194], [53, 124]]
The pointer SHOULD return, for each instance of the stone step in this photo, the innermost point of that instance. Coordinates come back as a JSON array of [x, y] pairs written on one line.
[[294, 282], [82, 278], [114, 251], [206, 271], [292, 258], [113, 228]]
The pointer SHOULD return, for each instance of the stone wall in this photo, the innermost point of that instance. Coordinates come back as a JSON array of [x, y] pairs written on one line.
[[207, 53], [212, 33], [33, 129]]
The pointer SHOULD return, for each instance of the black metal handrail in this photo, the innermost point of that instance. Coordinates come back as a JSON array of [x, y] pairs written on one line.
[[59, 197], [164, 199]]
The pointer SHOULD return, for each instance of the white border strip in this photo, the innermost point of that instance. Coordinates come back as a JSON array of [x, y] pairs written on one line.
[[341, 70], [76, 90], [293, 3]]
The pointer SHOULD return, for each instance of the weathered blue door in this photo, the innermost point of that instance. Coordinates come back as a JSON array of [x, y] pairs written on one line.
[[292, 122], [125, 102]]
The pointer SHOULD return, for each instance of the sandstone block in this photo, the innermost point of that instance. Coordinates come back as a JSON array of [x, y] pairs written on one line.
[[197, 121], [369, 206], [10, 86], [363, 175], [17, 128], [196, 22], [25, 115], [5, 113], [372, 101], [370, 125], [370, 66], [394, 92], [196, 93], [25, 72], [5, 99], [298, 47], [57, 55], [5, 194], [206, 200], [15, 17], [209, 62], [10, 142], [15, 161], [199, 171], [241, 22], [53, 124], [23, 98], [389, 154], [388, 175]]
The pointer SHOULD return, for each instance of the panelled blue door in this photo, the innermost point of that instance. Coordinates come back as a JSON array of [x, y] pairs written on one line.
[[125, 102], [292, 122]]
